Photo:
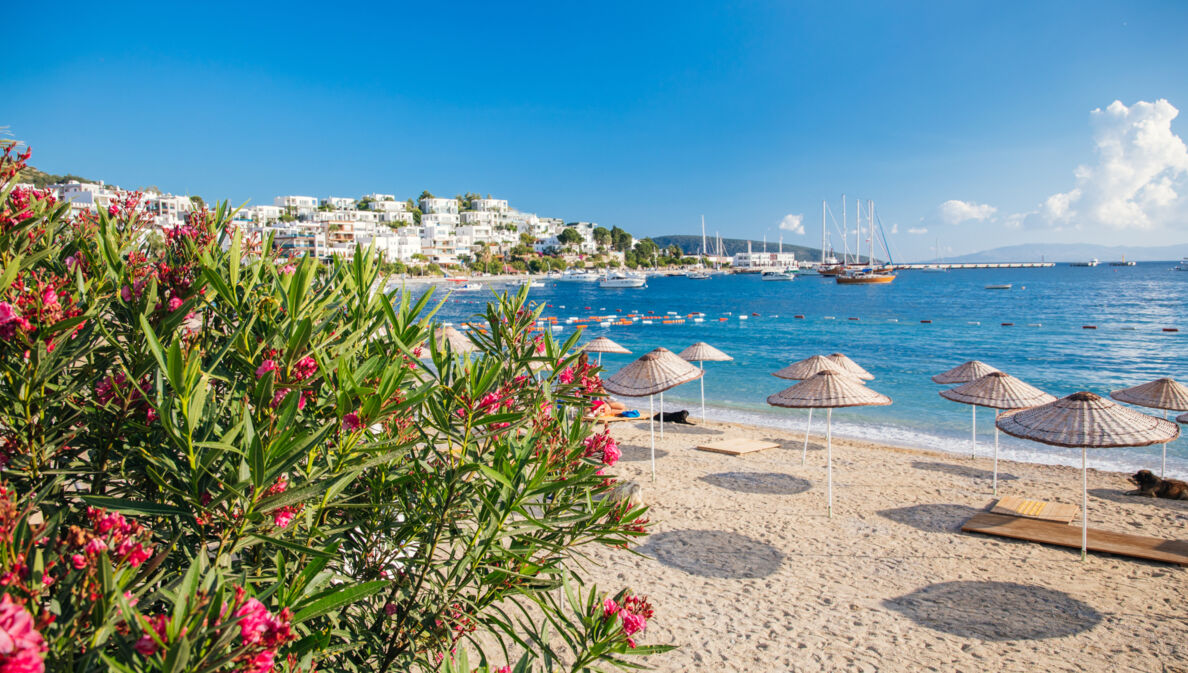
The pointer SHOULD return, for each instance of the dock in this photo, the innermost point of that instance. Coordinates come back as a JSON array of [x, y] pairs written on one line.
[[989, 265]]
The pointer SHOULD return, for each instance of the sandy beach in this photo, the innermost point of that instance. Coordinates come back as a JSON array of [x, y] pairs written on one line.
[[748, 574]]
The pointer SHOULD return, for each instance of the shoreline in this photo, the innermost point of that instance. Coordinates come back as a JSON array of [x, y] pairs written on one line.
[[748, 573]]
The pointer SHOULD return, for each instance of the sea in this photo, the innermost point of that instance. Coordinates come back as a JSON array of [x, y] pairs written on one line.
[[1062, 329]]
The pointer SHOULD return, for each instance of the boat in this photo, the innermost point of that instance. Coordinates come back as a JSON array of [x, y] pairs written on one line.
[[865, 277], [469, 287], [778, 274], [1123, 262], [622, 280], [580, 276], [528, 282], [1092, 262], [1183, 265], [1000, 286], [936, 267], [698, 275]]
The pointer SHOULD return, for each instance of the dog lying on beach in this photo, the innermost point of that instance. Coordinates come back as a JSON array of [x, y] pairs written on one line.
[[674, 417], [1156, 487]]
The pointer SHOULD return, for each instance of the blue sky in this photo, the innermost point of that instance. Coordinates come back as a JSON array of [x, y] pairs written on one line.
[[642, 115]]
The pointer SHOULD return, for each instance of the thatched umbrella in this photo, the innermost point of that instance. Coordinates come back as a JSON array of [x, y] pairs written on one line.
[[803, 369], [1165, 394], [1087, 421], [459, 342], [652, 373], [828, 389], [604, 345], [850, 367], [998, 391], [964, 373], [702, 353]]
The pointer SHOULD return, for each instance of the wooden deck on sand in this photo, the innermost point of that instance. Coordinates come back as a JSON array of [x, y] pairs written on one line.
[[1047, 532], [737, 446]]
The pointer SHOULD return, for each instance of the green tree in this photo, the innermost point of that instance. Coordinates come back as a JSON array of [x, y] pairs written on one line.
[[569, 236], [198, 202], [620, 239]]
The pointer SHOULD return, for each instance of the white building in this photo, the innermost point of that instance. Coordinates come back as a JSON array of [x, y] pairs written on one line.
[[436, 205], [85, 195], [169, 210], [489, 205], [339, 202], [301, 207], [763, 260]]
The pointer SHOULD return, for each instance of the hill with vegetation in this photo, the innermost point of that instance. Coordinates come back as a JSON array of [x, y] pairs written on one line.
[[40, 179]]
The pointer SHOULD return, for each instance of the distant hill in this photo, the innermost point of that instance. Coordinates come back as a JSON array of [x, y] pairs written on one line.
[[39, 178], [690, 245], [1075, 252]]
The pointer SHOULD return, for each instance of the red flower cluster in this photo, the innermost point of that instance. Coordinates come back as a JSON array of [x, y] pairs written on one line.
[[301, 371], [262, 632], [282, 516], [125, 541], [634, 612], [115, 387], [603, 446], [22, 648], [21, 204], [37, 301]]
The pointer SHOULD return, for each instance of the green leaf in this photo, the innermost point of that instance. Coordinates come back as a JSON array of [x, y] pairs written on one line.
[[132, 506], [293, 546], [337, 599]]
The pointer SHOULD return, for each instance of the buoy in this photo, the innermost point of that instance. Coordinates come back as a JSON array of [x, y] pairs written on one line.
[[1008, 324], [973, 322], [798, 317], [721, 319], [755, 314], [1088, 326], [1035, 324], [647, 322], [829, 317], [1171, 329], [742, 317], [851, 319], [927, 322]]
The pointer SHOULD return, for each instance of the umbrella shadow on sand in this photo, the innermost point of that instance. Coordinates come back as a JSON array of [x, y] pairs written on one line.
[[1121, 498], [764, 483], [713, 553], [961, 471], [671, 428], [933, 518], [636, 454], [996, 611]]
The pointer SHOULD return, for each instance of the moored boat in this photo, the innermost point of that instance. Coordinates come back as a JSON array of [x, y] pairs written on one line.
[[865, 277]]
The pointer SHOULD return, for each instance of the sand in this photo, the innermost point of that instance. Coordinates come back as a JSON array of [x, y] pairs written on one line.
[[747, 573]]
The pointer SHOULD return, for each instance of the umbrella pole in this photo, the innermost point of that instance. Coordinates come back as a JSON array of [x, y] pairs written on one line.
[[1163, 466], [973, 432], [661, 416], [600, 359], [804, 454], [996, 454], [702, 364], [652, 426], [829, 458], [1084, 505]]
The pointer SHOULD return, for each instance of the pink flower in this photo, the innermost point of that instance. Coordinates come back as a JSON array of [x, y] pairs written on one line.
[[21, 646], [288, 269], [351, 422], [566, 375], [49, 297], [503, 669], [265, 367], [283, 517], [632, 623], [126, 293], [540, 344], [147, 645], [175, 303], [305, 368], [611, 453], [96, 547], [609, 607], [6, 312], [78, 561]]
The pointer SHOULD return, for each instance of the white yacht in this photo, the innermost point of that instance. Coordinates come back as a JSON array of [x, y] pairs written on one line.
[[622, 280], [469, 287], [778, 275], [1183, 265], [582, 276]]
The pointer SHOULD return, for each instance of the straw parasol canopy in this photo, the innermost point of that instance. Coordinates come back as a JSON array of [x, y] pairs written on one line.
[[1165, 394], [850, 367], [605, 345], [998, 390], [829, 389], [1158, 394], [1087, 421], [806, 368], [654, 372], [457, 341], [964, 373], [702, 353]]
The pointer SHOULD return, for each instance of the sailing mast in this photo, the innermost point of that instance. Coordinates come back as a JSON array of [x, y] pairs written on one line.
[[870, 230], [822, 232], [704, 250], [845, 234]]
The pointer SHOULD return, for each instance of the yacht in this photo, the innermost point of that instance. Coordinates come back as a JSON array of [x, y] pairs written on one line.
[[582, 276], [778, 275], [867, 276], [622, 280], [469, 287], [1183, 265], [698, 275], [528, 282], [1092, 262]]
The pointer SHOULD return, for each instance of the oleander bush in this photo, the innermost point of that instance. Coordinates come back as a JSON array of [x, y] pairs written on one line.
[[217, 458]]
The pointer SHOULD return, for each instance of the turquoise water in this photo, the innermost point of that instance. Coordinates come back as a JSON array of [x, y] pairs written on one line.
[[1047, 346]]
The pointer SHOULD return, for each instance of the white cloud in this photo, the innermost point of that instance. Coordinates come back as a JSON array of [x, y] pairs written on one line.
[[1133, 184], [793, 223], [918, 230], [956, 212], [895, 228]]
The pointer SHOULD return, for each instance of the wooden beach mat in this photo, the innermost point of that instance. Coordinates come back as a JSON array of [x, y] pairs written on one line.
[[1013, 505], [737, 446], [1049, 532]]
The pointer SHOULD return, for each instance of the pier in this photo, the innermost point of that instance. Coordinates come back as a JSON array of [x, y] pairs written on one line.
[[989, 265]]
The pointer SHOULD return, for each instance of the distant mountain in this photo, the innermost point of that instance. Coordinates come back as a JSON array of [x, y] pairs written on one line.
[[1075, 252], [40, 179], [690, 245]]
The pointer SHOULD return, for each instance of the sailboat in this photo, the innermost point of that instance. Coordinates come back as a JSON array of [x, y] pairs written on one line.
[[870, 274], [700, 274], [936, 268]]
